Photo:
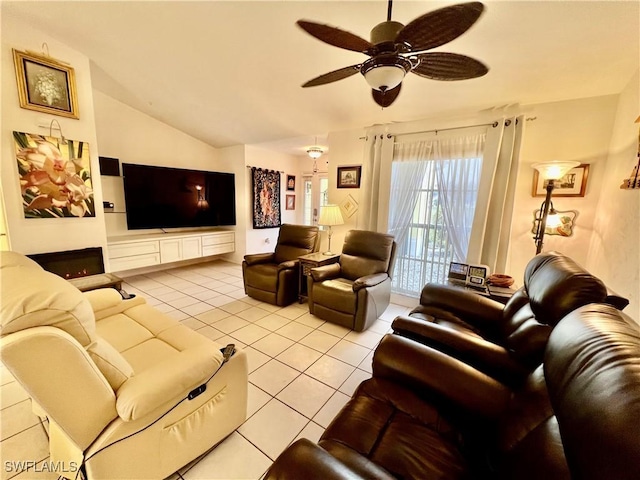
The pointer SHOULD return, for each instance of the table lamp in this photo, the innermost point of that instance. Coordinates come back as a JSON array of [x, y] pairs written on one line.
[[330, 215]]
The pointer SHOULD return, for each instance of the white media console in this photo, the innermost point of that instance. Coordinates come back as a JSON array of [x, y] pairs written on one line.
[[136, 251]]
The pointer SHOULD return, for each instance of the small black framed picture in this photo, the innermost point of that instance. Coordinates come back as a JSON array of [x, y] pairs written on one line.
[[349, 176], [291, 183]]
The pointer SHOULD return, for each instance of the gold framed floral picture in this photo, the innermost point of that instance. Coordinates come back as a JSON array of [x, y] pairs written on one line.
[[45, 84], [55, 176]]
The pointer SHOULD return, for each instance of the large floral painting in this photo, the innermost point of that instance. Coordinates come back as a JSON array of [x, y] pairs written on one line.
[[266, 198], [55, 176]]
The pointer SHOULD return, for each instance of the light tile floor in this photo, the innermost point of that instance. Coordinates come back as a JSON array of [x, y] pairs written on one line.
[[302, 370]]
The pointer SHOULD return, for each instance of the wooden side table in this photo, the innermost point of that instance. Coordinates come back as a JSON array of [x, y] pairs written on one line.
[[307, 262]]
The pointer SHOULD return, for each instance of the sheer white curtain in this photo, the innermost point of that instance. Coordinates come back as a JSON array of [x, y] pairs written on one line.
[[407, 172], [457, 163]]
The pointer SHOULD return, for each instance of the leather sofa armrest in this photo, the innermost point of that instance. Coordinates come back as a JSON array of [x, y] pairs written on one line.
[[259, 258], [326, 272], [166, 383], [432, 373], [369, 281], [478, 352], [288, 265], [467, 305], [306, 460]]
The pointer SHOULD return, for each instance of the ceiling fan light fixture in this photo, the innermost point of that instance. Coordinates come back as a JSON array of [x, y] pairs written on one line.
[[385, 73]]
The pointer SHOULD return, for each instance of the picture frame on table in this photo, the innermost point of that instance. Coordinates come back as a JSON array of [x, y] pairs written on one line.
[[573, 184], [46, 85], [349, 176], [290, 202]]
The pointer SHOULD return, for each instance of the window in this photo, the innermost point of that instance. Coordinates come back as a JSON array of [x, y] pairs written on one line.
[[432, 205]]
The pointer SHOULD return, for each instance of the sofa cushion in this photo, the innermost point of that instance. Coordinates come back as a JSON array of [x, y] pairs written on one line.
[[31, 297], [336, 294], [112, 365], [395, 429], [294, 241], [556, 285], [363, 256]]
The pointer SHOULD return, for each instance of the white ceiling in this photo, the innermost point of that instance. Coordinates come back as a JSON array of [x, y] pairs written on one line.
[[230, 72]]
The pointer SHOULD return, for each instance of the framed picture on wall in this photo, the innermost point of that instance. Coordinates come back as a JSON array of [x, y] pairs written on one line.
[[291, 183], [573, 184], [291, 202], [349, 177], [45, 85]]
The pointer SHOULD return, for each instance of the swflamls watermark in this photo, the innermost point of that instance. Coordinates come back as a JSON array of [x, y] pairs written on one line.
[[17, 466]]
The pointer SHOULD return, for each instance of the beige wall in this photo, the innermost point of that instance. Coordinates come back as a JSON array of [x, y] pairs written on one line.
[[45, 235], [614, 250], [574, 130], [264, 239]]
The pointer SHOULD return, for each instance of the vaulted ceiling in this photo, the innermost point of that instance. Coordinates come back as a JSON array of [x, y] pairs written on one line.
[[230, 72]]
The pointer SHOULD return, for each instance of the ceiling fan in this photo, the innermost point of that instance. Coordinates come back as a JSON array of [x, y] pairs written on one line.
[[396, 49]]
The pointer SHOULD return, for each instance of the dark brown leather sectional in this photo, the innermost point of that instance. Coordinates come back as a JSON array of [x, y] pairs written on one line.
[[505, 341], [427, 415], [273, 277]]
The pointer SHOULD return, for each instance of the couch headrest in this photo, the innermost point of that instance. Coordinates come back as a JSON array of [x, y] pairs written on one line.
[[556, 285], [31, 297], [592, 367], [295, 240], [365, 253]]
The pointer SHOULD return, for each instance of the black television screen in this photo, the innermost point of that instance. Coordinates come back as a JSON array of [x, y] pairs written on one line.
[[161, 197]]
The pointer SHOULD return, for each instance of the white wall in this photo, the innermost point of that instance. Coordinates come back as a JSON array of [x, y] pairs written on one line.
[[347, 148], [264, 239], [614, 251], [45, 235]]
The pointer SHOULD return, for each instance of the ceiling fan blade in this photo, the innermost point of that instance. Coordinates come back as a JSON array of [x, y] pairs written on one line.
[[335, 36], [333, 76], [440, 26], [449, 66], [384, 99]]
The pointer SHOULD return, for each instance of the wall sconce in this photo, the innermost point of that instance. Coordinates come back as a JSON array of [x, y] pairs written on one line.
[[558, 222], [330, 215], [550, 172], [201, 203], [63, 140]]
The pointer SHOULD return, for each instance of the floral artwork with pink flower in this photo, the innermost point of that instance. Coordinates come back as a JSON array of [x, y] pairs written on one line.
[[55, 176]]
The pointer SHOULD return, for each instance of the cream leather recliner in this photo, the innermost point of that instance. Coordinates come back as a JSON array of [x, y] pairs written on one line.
[[117, 379]]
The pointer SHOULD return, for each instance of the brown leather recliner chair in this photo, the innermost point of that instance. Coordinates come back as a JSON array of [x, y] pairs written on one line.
[[273, 277], [427, 415], [504, 341], [357, 290]]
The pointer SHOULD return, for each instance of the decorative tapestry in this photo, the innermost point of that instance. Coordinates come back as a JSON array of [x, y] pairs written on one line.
[[266, 198]]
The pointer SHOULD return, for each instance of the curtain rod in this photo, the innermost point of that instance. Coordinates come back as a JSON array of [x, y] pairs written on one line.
[[268, 169], [436, 130]]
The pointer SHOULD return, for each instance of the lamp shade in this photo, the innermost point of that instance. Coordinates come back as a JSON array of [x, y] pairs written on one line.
[[554, 170], [330, 215]]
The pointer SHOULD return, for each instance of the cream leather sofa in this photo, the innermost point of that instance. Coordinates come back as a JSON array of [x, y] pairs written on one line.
[[114, 377]]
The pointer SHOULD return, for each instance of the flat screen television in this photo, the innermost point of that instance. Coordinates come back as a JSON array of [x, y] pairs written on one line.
[[161, 197]]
